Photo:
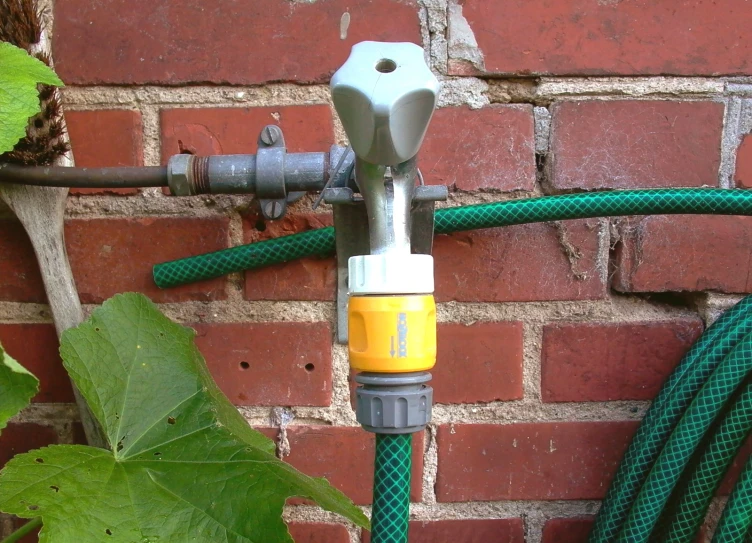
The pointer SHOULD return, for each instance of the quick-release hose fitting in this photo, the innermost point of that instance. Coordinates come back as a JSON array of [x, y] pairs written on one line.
[[385, 95]]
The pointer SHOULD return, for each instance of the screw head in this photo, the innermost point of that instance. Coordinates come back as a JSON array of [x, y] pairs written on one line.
[[273, 209], [270, 134]]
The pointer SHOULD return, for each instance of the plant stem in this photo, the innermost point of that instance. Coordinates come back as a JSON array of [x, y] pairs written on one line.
[[26, 529]]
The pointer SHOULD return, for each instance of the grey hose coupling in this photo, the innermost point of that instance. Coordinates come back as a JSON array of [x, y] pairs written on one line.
[[393, 403]]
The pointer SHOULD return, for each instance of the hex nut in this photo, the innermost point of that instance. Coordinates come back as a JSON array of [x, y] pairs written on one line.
[[179, 175]]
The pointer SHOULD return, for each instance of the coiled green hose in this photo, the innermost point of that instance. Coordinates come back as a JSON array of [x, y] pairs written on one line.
[[548, 208], [736, 520], [683, 442], [664, 413], [391, 488], [706, 477]]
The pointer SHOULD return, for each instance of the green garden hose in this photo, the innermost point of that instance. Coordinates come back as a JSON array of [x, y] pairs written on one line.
[[707, 476], [736, 520], [391, 488], [548, 208], [675, 425], [664, 413]]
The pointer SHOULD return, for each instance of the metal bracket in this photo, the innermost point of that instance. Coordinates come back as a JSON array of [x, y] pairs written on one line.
[[270, 174], [351, 235]]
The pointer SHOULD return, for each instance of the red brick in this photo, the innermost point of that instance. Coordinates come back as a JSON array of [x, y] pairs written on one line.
[[464, 531], [304, 279], [31, 538], [277, 363], [188, 41], [519, 264], [215, 131], [478, 363], [567, 530], [116, 255], [590, 362], [21, 280], [105, 138], [345, 457], [19, 438], [36, 347], [488, 148], [625, 144], [732, 475], [650, 37], [685, 253], [318, 532], [532, 461], [743, 176]]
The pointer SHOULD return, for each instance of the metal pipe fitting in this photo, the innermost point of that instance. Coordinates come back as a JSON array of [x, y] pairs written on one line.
[[239, 174]]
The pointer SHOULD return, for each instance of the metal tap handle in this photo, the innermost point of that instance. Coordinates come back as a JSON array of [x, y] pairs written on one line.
[[385, 95]]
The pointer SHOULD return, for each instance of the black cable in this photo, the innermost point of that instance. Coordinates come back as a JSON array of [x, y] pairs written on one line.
[[104, 178]]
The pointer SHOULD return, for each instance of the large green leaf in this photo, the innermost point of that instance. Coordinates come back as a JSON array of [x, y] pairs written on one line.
[[19, 98], [17, 387], [185, 465]]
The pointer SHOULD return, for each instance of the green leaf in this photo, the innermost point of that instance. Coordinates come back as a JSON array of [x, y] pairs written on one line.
[[19, 97], [17, 387], [185, 467]]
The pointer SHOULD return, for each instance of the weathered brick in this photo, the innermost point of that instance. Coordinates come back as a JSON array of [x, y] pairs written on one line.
[[520, 264], [743, 176], [214, 131], [508, 530], [478, 363], [529, 461], [105, 138], [36, 347], [684, 253], [23, 437], [270, 363], [21, 280], [627, 38], [116, 255], [567, 530], [175, 42], [318, 532], [585, 362], [488, 148], [345, 457], [626, 144], [304, 279]]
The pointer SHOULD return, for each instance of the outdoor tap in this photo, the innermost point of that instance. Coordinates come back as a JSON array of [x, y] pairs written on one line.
[[385, 96]]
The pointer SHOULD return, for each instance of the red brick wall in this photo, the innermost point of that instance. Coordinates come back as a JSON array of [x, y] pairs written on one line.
[[552, 337]]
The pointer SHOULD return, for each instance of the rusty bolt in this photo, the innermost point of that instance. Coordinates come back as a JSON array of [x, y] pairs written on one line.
[[270, 134]]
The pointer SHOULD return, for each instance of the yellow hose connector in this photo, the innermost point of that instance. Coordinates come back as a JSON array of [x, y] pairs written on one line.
[[392, 334]]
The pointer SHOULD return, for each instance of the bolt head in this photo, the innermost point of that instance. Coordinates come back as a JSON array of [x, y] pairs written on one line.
[[179, 174]]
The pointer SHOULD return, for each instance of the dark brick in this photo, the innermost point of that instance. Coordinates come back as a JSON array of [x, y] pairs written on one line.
[[629, 144], [590, 362], [652, 37], [519, 264], [529, 461], [278, 363], [35, 346], [189, 41], [685, 253], [488, 148], [478, 363]]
